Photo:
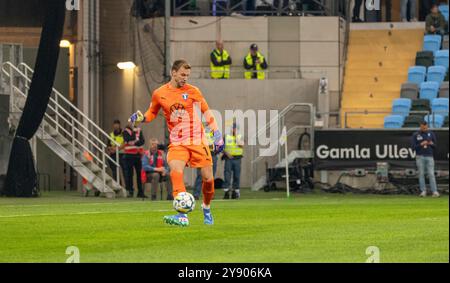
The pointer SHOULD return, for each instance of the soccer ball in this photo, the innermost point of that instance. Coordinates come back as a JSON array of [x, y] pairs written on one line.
[[184, 202]]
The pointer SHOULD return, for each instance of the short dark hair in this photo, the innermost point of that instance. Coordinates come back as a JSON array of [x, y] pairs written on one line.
[[178, 64], [434, 5], [116, 121], [424, 123]]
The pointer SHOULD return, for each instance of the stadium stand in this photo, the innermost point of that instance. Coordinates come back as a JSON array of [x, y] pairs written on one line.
[[425, 58], [394, 121], [443, 91], [445, 42], [409, 90], [421, 105], [435, 120], [417, 74], [440, 106], [441, 58], [436, 74], [429, 90], [371, 83], [444, 10], [413, 121], [401, 106], [432, 43]]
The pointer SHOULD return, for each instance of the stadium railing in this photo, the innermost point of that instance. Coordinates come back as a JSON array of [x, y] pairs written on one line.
[[239, 74], [368, 113], [271, 8], [83, 134]]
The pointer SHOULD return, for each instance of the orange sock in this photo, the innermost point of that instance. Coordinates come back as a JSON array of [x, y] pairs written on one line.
[[208, 191], [177, 182]]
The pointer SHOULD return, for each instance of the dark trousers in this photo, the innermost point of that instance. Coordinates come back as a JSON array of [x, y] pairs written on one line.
[[424, 8], [232, 166], [357, 9], [132, 162], [113, 166]]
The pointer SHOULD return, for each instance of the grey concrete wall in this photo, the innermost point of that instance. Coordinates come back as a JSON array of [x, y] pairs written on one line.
[[312, 45]]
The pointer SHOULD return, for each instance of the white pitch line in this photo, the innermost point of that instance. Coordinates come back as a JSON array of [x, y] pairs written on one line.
[[71, 203], [81, 213]]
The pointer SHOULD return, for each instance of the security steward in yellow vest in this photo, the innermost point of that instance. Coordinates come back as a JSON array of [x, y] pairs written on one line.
[[233, 154], [220, 62], [255, 64], [117, 136]]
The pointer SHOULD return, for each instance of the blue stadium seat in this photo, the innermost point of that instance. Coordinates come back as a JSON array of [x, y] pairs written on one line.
[[444, 10], [401, 106], [417, 74], [429, 90], [432, 42], [441, 58], [393, 121], [440, 106], [436, 74], [435, 120]]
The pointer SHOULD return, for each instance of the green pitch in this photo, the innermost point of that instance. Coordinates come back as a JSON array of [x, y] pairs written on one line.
[[261, 227]]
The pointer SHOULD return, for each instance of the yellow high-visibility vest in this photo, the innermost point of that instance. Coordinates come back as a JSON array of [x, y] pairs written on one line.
[[260, 74], [231, 145], [220, 72], [119, 139]]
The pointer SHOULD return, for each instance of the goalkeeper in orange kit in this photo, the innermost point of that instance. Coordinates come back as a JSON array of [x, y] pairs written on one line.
[[189, 145]]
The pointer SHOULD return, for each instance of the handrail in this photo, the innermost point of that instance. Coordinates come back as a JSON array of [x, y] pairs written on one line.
[[64, 117], [279, 116], [276, 120], [71, 105], [230, 8], [64, 130], [205, 72], [347, 113]]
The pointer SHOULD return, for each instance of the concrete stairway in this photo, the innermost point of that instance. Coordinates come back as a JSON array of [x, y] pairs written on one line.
[[377, 65]]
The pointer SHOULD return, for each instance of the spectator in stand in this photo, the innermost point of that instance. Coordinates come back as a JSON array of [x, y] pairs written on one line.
[[435, 21], [404, 10], [388, 5], [357, 11], [424, 9]]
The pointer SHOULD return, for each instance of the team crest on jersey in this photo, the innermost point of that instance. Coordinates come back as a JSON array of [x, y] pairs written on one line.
[[185, 96]]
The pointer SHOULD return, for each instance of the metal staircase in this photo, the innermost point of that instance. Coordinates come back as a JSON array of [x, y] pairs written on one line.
[[67, 131], [259, 173]]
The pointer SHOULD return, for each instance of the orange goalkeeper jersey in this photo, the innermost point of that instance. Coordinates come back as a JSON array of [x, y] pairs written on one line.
[[182, 108]]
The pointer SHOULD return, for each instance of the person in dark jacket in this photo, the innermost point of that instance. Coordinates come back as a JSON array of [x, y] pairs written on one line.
[[435, 22], [132, 151], [424, 144]]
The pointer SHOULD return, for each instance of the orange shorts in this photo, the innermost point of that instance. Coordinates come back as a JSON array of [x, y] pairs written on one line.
[[195, 156]]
